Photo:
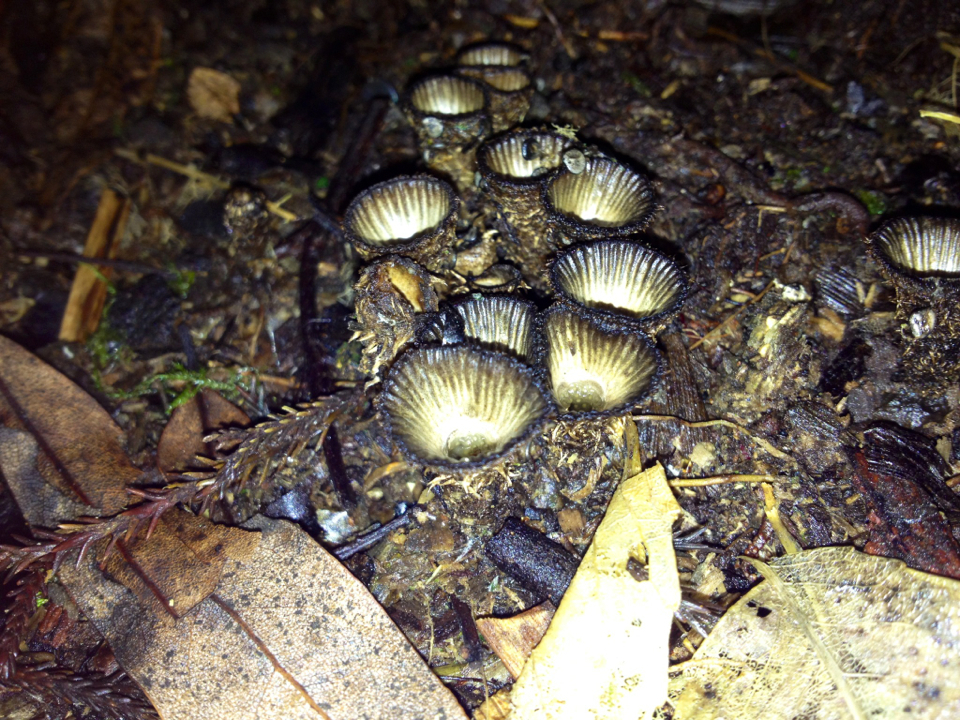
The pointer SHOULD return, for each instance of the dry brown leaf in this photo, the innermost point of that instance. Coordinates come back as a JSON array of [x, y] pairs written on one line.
[[831, 633], [514, 638], [180, 564], [606, 652], [58, 435], [182, 438], [289, 633], [213, 94]]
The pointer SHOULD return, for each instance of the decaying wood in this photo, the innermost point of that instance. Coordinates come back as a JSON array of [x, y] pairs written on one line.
[[89, 291]]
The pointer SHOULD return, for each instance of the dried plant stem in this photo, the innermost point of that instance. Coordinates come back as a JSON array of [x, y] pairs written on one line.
[[719, 480], [763, 443], [727, 320]]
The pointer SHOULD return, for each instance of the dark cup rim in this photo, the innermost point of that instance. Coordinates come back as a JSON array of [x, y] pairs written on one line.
[[416, 242]]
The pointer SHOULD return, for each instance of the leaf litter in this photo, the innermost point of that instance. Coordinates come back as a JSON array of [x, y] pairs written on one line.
[[191, 607]]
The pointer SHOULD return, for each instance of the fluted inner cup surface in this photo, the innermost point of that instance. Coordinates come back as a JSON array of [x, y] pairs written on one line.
[[395, 211], [922, 246], [606, 194], [491, 54], [593, 369], [506, 80], [460, 404], [499, 322], [447, 95], [525, 154], [619, 277]]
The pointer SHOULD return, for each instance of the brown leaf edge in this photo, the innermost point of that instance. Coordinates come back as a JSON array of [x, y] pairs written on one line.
[[289, 433]]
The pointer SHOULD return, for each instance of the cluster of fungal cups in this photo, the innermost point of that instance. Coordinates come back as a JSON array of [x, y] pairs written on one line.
[[471, 373]]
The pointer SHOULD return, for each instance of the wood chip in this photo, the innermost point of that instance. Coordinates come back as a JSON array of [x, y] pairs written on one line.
[[89, 290]]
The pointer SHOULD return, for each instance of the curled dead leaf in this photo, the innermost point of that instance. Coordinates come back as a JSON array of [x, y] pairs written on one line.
[[213, 94]]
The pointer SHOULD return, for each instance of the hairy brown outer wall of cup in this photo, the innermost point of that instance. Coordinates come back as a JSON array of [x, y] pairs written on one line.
[[522, 212], [507, 108], [449, 142]]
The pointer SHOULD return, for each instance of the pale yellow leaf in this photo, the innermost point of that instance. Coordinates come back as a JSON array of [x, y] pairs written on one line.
[[831, 633], [605, 654]]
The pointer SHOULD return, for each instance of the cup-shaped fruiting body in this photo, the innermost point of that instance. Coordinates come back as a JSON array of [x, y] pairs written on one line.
[[491, 53], [450, 116], [414, 216], [594, 370], [620, 282], [499, 322], [513, 169], [921, 258], [460, 406], [509, 90], [389, 296], [598, 198], [919, 255]]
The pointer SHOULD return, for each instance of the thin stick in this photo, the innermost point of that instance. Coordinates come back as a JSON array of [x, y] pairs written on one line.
[[719, 480], [767, 55], [88, 293], [200, 176], [567, 46], [765, 444]]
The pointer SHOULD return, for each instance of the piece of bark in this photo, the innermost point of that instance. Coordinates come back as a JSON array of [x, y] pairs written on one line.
[[89, 290], [532, 559]]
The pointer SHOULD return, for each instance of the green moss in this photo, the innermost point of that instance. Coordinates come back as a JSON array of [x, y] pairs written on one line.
[[193, 381], [181, 282], [641, 88], [875, 202]]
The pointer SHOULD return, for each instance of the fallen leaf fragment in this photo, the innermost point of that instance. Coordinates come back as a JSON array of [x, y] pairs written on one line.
[[213, 94], [831, 633], [514, 638], [60, 436], [606, 652], [180, 564], [182, 438], [495, 707], [289, 633]]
